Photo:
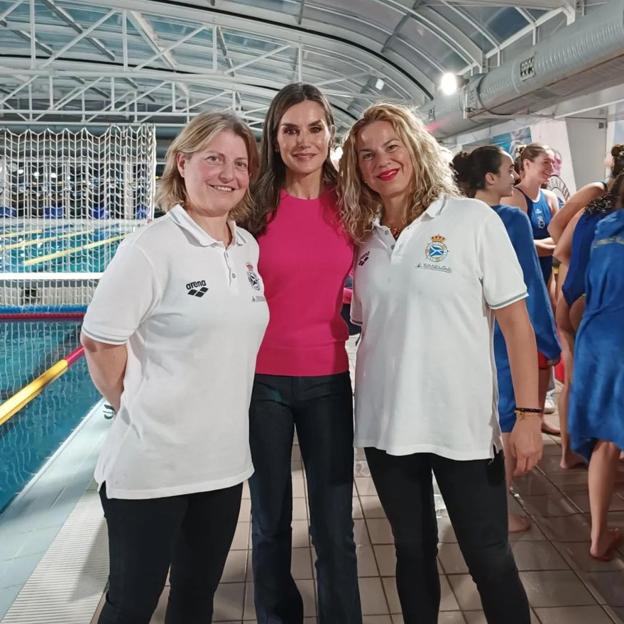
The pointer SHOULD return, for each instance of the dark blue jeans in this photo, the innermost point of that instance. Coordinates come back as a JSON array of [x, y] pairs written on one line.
[[191, 533], [475, 495], [321, 410]]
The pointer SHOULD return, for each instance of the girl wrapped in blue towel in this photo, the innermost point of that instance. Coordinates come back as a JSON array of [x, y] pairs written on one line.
[[596, 418]]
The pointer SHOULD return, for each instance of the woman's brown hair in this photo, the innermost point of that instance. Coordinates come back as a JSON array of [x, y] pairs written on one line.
[[531, 152], [272, 174]]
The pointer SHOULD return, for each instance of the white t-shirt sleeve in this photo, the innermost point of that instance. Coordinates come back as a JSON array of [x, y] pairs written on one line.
[[126, 293], [501, 273]]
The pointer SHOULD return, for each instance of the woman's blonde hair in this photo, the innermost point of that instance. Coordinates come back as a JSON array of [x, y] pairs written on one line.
[[196, 136], [359, 205]]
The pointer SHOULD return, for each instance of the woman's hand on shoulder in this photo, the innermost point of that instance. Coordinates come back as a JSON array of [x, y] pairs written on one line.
[[526, 444]]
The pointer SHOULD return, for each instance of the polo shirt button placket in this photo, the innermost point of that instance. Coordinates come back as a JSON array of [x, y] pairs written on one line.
[[228, 267]]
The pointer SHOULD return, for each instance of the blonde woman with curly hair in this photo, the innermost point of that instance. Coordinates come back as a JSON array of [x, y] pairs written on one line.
[[433, 271], [171, 338]]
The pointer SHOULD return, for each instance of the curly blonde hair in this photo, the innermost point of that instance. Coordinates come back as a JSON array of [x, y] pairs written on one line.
[[195, 136], [359, 205]]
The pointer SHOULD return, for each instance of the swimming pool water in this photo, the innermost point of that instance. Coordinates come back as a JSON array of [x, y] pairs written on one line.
[[28, 251], [35, 433]]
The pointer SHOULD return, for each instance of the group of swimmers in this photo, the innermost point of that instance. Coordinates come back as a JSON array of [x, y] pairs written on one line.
[[215, 344]]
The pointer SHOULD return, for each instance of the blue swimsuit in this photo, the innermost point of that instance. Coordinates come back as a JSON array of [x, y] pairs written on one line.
[[538, 305], [574, 284], [539, 214]]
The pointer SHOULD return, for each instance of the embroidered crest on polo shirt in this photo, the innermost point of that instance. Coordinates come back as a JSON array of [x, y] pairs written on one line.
[[364, 258], [197, 289], [436, 250], [252, 276]]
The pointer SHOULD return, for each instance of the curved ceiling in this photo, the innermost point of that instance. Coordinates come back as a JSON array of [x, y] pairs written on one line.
[[76, 62]]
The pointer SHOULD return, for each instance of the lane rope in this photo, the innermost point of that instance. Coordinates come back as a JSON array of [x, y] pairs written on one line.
[[30, 391]]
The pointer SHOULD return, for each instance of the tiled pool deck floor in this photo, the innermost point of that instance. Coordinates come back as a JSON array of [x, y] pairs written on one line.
[[564, 585]]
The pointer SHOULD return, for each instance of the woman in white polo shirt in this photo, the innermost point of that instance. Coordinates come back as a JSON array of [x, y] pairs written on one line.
[[171, 338], [432, 273]]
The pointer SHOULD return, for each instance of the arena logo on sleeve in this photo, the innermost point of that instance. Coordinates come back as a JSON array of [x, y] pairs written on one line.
[[364, 258]]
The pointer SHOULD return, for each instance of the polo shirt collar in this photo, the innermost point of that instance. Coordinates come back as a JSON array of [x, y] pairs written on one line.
[[432, 212], [436, 207], [182, 218]]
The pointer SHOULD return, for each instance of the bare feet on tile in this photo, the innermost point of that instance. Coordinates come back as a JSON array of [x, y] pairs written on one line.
[[550, 429], [570, 459], [518, 523], [604, 549]]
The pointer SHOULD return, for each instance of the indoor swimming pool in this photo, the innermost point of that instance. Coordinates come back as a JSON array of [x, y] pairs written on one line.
[[27, 349]]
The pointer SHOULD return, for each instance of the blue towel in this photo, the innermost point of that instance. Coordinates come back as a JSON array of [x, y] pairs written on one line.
[[538, 304], [597, 393]]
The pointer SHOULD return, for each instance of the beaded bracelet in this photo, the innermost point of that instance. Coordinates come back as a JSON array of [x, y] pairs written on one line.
[[523, 412]]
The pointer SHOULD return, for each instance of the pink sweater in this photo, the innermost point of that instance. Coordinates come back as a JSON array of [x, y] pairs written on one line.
[[304, 259]]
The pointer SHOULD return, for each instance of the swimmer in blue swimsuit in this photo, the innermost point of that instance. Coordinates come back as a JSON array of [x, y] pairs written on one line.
[[534, 164], [487, 174]]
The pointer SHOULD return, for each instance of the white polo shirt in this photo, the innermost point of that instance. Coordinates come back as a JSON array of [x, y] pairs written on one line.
[[425, 371], [192, 313]]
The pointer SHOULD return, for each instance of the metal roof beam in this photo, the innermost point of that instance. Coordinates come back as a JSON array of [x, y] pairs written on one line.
[[68, 19], [546, 5], [10, 9], [122, 97], [147, 32], [22, 34], [301, 9], [167, 51], [404, 76], [472, 22], [262, 57], [236, 99], [62, 51], [455, 38]]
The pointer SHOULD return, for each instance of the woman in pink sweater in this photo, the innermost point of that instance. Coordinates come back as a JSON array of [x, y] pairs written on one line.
[[302, 374]]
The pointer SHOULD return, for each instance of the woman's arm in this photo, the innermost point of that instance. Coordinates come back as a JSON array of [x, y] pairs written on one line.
[[577, 202], [526, 438], [563, 250], [544, 246], [107, 365]]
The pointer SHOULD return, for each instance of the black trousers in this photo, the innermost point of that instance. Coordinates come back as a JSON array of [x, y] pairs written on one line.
[[191, 533], [475, 495], [321, 411]]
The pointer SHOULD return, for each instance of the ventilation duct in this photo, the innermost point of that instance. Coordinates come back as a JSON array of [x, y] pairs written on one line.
[[582, 57]]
